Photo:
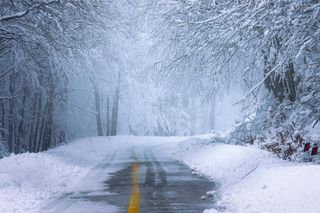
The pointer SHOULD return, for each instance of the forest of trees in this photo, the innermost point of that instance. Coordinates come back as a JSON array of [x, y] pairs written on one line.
[[44, 45], [63, 70], [99, 67], [272, 48]]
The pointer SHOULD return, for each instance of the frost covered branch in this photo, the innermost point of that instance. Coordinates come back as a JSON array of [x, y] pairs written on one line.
[[25, 12]]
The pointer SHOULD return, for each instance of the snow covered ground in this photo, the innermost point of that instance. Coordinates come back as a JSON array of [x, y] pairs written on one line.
[[252, 180], [30, 181]]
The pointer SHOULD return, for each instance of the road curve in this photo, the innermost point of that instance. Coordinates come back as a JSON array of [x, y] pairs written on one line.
[[146, 181]]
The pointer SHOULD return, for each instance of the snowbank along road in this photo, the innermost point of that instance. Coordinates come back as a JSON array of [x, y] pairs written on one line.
[[143, 179]]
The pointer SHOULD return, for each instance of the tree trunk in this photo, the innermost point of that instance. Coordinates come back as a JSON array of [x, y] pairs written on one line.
[[21, 127], [31, 147], [193, 117], [2, 114], [291, 83], [204, 115], [213, 113], [115, 109], [11, 128], [36, 136], [108, 133], [42, 129], [98, 110], [49, 123]]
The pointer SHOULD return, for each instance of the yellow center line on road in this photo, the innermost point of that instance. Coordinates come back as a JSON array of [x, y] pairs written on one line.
[[134, 204]]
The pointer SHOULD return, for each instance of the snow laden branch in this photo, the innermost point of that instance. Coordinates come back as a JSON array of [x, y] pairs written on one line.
[[255, 87], [25, 12], [82, 108], [5, 72]]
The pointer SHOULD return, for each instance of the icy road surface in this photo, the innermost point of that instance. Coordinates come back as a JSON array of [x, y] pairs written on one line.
[[144, 179]]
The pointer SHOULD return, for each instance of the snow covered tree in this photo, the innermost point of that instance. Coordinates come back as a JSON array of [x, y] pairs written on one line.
[[273, 46], [40, 44]]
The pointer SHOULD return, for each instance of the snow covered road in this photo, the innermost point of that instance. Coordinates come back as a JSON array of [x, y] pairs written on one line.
[[164, 185], [152, 174]]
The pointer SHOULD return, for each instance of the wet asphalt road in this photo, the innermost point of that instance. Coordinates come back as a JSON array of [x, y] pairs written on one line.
[[165, 186]]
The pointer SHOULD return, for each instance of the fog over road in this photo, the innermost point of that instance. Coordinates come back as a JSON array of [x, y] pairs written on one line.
[[144, 179]]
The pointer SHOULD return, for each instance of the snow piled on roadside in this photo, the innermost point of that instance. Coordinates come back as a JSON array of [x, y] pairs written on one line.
[[227, 164], [32, 182], [252, 180], [29, 179]]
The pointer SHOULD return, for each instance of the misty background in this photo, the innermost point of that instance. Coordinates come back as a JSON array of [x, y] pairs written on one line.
[[71, 69]]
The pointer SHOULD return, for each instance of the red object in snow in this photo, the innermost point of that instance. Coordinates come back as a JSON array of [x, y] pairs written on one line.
[[306, 147], [314, 151]]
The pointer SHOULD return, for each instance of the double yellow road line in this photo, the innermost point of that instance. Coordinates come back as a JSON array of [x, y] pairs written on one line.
[[134, 204]]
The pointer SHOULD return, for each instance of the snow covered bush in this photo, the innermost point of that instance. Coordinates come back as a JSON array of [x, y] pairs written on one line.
[[282, 127]]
